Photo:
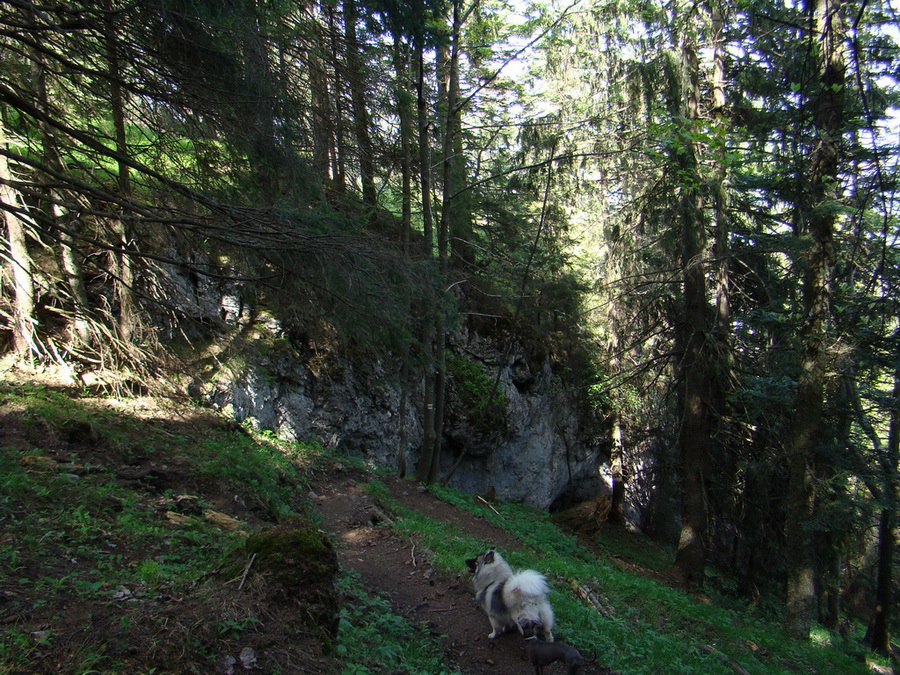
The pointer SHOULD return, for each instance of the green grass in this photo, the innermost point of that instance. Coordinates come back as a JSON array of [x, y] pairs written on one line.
[[263, 469], [89, 537], [93, 541], [371, 633], [648, 627], [70, 524]]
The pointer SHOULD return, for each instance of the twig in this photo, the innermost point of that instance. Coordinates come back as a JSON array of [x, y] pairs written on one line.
[[413, 554], [737, 667], [587, 595], [486, 503], [246, 571], [379, 516]]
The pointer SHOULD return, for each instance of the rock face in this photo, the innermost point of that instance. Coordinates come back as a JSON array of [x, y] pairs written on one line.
[[543, 454], [512, 426], [532, 446]]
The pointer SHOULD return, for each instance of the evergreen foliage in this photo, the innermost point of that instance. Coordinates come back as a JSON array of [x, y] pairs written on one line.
[[687, 209]]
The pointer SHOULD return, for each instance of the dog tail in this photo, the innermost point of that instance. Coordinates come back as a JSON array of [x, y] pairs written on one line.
[[527, 583]]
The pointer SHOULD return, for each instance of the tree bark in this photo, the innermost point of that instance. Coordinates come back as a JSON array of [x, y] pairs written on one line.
[[617, 468], [458, 217], [405, 114], [357, 83], [401, 67], [69, 256], [720, 197], [448, 104], [402, 411], [825, 32], [259, 108], [339, 147], [426, 459], [19, 260], [320, 97], [124, 272], [695, 371], [878, 636]]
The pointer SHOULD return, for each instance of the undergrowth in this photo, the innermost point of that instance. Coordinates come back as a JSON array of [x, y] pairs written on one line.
[[374, 639], [97, 577], [640, 626], [87, 560]]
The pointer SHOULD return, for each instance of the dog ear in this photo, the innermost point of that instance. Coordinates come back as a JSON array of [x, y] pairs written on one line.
[[489, 556]]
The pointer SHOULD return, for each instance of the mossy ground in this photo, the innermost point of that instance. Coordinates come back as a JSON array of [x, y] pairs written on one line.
[[117, 522], [110, 561]]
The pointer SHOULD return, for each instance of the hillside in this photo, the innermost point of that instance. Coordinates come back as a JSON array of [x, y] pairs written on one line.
[[126, 547], [544, 251]]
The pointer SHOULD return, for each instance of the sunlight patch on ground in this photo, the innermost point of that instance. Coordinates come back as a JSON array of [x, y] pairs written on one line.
[[356, 536]]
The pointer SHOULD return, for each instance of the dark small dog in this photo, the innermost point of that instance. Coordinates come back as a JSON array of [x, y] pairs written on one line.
[[542, 654]]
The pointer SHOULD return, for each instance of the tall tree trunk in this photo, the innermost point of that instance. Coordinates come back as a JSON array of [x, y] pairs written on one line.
[[720, 357], [320, 99], [124, 273], [67, 227], [878, 635], [339, 147], [617, 468], [448, 105], [426, 460], [695, 434], [72, 268], [720, 198], [401, 67], [264, 152], [400, 55], [19, 261], [458, 218], [440, 391], [827, 542], [825, 47], [321, 117], [357, 82], [402, 414]]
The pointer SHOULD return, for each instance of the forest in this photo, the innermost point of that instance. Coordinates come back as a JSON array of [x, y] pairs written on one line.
[[688, 208]]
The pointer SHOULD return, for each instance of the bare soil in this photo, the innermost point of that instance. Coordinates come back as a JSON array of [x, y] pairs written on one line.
[[400, 570], [188, 629]]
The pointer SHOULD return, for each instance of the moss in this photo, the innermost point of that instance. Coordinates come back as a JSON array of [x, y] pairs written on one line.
[[296, 564], [585, 519], [296, 538], [484, 401]]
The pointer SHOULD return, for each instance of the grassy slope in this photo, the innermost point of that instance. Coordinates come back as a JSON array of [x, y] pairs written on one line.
[[641, 625], [94, 577]]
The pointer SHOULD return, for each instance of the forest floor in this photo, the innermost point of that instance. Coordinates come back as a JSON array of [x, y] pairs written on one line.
[[110, 561], [123, 523], [399, 570]]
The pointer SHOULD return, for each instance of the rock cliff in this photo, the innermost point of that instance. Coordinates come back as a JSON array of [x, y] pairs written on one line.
[[534, 447], [513, 426]]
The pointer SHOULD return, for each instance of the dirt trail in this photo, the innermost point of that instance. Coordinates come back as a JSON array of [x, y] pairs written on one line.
[[396, 569], [169, 627]]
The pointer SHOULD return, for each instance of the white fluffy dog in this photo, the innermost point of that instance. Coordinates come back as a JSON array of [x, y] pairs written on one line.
[[511, 599]]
